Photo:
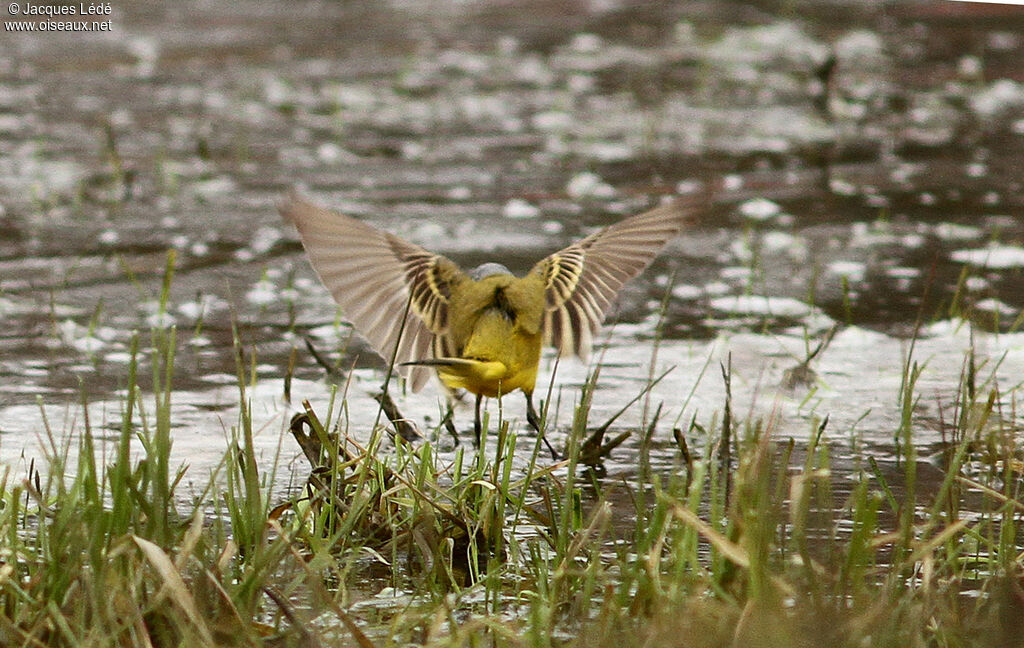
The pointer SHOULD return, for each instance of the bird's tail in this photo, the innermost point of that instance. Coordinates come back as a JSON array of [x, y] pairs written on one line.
[[477, 376]]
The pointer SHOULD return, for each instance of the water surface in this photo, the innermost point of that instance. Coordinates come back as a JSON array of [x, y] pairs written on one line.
[[863, 164]]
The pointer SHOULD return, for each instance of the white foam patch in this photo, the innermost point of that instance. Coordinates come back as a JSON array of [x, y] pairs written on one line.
[[761, 305], [997, 257]]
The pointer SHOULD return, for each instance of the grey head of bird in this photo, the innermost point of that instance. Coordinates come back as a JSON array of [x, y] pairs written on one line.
[[488, 270]]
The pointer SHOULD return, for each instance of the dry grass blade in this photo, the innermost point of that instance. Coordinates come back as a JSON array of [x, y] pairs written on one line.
[[174, 586], [190, 541], [940, 538], [991, 492], [332, 372], [229, 605], [735, 553], [404, 426]]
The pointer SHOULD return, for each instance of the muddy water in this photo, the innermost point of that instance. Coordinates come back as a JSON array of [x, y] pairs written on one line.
[[863, 163]]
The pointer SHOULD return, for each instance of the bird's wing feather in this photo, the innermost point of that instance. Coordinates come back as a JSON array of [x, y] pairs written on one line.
[[582, 280], [373, 275]]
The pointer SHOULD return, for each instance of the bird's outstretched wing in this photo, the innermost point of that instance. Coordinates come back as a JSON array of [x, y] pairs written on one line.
[[582, 280], [373, 275]]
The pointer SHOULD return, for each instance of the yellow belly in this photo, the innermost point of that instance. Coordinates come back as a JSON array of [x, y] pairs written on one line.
[[498, 358]]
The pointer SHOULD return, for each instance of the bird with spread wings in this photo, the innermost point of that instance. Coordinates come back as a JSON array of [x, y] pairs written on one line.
[[481, 330]]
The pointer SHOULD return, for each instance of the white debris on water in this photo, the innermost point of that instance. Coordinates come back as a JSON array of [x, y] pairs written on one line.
[[900, 272], [28, 175], [976, 170], [533, 70], [911, 241], [690, 186], [977, 284], [264, 239], [589, 185], [160, 320], [970, 67], [956, 232], [606, 151], [212, 187], [581, 83], [263, 292], [331, 153], [687, 292], [459, 193], [842, 187], [717, 288], [795, 247], [878, 201], [552, 120], [759, 209], [328, 332], [203, 307], [764, 44], [199, 341], [761, 305], [736, 274], [740, 250], [518, 208], [11, 124], [995, 306], [79, 337], [866, 235], [903, 278], [11, 308], [146, 52], [996, 257], [998, 97], [904, 172], [851, 270], [860, 46], [732, 182], [219, 378], [586, 43]]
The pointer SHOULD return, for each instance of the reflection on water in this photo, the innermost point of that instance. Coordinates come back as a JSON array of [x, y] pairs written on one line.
[[864, 164]]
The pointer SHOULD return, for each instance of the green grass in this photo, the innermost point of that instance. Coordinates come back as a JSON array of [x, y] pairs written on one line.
[[742, 543]]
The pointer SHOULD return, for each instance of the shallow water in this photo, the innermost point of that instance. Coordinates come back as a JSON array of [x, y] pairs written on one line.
[[864, 166]]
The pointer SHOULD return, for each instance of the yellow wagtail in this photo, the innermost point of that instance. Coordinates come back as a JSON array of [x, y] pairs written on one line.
[[481, 331]]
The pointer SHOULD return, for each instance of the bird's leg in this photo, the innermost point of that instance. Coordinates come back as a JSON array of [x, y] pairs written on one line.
[[477, 426], [451, 396], [534, 420], [531, 415]]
